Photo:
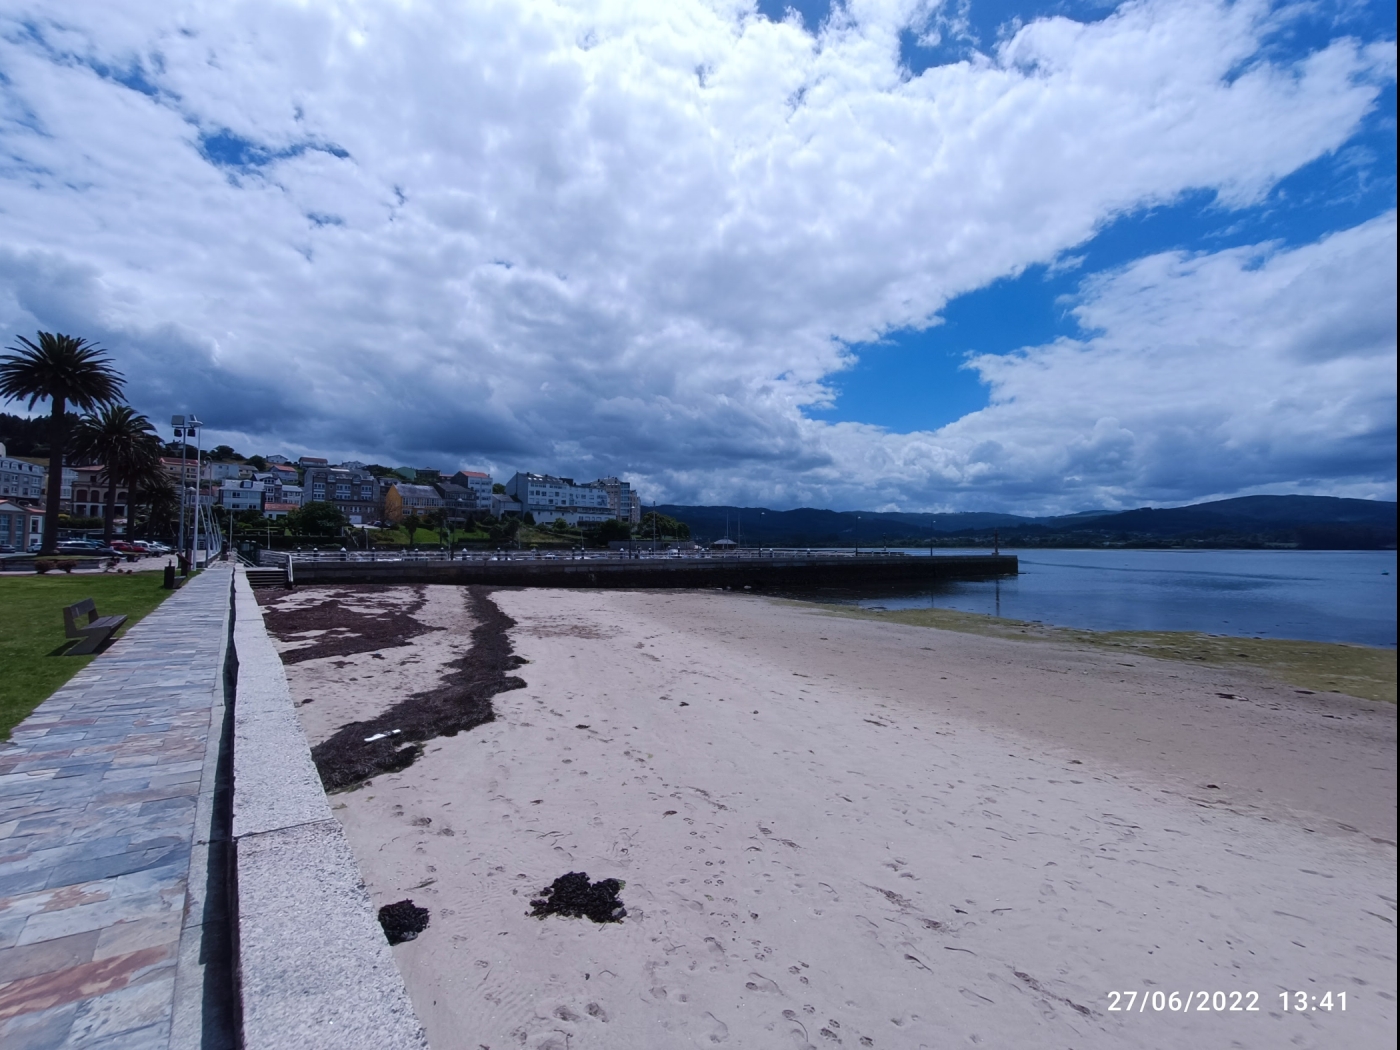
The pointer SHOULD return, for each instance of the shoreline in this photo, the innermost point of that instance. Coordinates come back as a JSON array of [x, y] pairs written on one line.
[[1368, 672]]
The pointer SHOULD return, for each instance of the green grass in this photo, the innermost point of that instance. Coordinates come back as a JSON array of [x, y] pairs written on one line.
[[1357, 670], [31, 631]]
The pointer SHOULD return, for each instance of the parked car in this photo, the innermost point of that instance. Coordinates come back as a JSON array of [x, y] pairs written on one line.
[[5, 548], [127, 548], [153, 546]]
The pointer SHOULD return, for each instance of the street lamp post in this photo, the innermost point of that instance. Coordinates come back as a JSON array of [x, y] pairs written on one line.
[[186, 427]]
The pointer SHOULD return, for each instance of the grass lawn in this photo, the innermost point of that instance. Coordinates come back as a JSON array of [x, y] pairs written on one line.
[[31, 631], [1357, 670]]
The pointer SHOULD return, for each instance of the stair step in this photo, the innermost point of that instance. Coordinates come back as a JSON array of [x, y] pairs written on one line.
[[267, 577]]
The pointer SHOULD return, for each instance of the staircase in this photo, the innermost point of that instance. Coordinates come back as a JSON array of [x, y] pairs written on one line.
[[266, 577]]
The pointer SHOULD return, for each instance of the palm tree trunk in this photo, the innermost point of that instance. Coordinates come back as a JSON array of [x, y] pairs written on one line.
[[55, 493], [110, 509]]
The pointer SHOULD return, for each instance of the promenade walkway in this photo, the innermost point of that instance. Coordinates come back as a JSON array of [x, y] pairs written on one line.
[[107, 809]]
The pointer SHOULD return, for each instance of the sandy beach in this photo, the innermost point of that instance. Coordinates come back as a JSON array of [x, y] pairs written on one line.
[[839, 832]]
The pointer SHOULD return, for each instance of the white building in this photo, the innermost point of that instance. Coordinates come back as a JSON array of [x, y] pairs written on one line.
[[237, 496], [20, 479], [221, 470], [476, 481], [549, 498]]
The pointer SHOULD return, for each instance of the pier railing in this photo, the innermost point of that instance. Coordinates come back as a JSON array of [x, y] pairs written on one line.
[[281, 558]]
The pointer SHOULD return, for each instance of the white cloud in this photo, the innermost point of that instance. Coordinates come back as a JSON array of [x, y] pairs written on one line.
[[630, 236]]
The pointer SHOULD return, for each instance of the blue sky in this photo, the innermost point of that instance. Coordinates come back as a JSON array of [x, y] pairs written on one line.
[[914, 378], [916, 254]]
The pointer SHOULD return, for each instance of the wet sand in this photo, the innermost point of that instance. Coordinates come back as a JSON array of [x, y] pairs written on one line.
[[838, 832]]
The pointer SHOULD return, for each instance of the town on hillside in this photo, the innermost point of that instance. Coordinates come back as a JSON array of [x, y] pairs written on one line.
[[278, 501]]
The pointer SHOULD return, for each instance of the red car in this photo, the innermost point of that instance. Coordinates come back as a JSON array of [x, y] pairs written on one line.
[[126, 548]]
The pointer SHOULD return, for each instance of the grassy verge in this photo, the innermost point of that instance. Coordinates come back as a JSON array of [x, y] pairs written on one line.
[[31, 631], [1356, 670]]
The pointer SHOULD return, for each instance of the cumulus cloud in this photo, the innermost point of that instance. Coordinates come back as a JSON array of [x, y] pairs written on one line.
[[636, 237]]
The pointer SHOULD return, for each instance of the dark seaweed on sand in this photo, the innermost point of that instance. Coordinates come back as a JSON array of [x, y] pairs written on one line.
[[462, 702], [402, 921], [575, 896], [347, 631]]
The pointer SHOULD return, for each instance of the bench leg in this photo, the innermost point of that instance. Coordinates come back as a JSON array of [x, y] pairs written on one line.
[[89, 643]]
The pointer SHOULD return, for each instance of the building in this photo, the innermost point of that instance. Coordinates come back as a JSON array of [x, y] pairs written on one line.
[[221, 470], [277, 511], [355, 493], [90, 495], [404, 499], [308, 462], [476, 481], [549, 498], [623, 502], [172, 466], [502, 505], [20, 479], [21, 525], [65, 495], [461, 503], [278, 461], [237, 496]]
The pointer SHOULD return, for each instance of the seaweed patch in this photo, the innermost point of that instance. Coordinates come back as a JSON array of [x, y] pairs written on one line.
[[402, 921], [573, 895], [393, 740]]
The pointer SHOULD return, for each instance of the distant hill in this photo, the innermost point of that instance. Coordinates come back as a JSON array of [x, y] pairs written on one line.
[[1318, 522]]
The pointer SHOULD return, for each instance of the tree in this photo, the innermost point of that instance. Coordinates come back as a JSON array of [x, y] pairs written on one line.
[[666, 528], [318, 518], [412, 523], [125, 443], [560, 525], [160, 501], [223, 453], [67, 371], [498, 489], [257, 462], [613, 529]]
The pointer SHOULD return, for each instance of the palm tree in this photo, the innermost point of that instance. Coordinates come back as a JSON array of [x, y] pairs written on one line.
[[68, 371], [126, 445], [412, 523]]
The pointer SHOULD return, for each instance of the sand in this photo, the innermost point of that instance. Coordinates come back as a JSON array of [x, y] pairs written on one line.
[[837, 832]]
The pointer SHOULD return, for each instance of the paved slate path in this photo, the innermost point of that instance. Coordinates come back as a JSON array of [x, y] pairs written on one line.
[[101, 791]]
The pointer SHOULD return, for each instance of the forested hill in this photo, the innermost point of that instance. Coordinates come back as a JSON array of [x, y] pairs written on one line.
[[1322, 522]]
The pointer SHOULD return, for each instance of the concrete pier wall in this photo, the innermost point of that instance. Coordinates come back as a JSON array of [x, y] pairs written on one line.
[[785, 572]]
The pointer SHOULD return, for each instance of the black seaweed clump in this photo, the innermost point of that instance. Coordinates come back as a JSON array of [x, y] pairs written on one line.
[[392, 741], [402, 921], [575, 896]]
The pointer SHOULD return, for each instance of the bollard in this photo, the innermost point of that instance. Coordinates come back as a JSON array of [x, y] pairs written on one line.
[[169, 578]]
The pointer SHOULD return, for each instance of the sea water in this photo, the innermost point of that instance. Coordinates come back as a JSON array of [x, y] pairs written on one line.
[[1325, 596]]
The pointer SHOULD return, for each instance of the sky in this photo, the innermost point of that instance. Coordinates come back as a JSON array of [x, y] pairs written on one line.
[[939, 255]]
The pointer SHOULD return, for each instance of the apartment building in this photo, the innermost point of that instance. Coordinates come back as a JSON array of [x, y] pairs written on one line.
[[355, 493], [21, 525], [20, 479], [624, 503], [549, 498], [237, 495], [475, 480], [90, 490]]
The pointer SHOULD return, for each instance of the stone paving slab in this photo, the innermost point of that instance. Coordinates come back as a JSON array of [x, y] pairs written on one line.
[[101, 792]]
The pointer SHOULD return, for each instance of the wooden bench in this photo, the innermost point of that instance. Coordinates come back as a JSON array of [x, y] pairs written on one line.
[[93, 632]]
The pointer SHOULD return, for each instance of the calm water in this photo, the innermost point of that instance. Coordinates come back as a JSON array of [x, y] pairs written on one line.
[[1326, 596]]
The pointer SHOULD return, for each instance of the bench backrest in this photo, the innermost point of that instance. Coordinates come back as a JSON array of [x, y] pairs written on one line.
[[71, 613]]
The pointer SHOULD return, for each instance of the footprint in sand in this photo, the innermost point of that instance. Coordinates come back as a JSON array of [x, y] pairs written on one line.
[[718, 1030], [758, 983]]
